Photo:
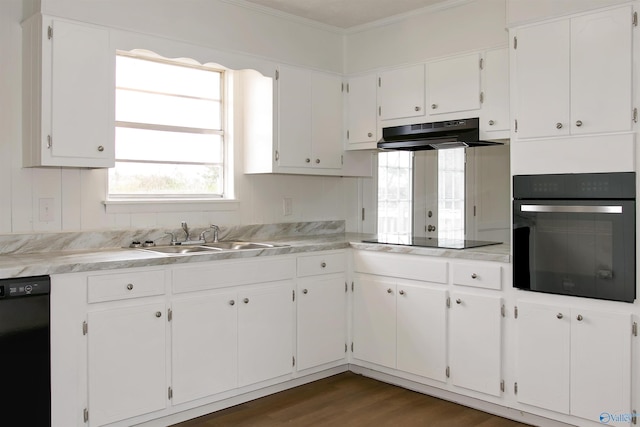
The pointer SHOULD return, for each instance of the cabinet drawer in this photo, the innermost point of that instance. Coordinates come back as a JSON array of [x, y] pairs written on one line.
[[414, 267], [321, 264], [478, 275], [108, 287]]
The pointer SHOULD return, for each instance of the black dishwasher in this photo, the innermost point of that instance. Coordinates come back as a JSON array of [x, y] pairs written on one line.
[[24, 344]]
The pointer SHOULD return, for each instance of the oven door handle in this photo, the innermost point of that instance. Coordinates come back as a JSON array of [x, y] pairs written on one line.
[[617, 209]]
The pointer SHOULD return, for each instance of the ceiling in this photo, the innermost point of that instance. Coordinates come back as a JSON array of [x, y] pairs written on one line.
[[345, 13]]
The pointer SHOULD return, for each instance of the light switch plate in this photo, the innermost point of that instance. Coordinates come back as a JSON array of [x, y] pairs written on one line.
[[287, 206]]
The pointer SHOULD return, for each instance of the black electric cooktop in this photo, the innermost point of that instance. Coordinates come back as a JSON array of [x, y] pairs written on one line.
[[430, 242]]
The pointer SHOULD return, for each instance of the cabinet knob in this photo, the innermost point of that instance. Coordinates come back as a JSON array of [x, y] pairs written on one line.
[[317, 161], [579, 123], [246, 300], [434, 106], [417, 108], [130, 286], [100, 148], [559, 316], [579, 318], [305, 291], [401, 292], [323, 264], [491, 123], [158, 314], [558, 125], [389, 291], [307, 160], [369, 134], [458, 301], [232, 302], [474, 276]]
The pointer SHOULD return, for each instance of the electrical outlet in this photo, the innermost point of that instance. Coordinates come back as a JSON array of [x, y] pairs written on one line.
[[287, 206], [45, 208]]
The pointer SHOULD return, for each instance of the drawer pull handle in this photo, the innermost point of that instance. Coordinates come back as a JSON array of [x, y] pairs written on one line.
[[559, 316], [158, 314], [232, 302], [130, 286], [458, 301], [323, 264], [389, 291], [579, 318], [305, 291], [401, 292], [100, 148], [474, 276], [246, 300]]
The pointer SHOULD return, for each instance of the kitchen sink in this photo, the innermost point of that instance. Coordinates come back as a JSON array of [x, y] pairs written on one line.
[[181, 250], [239, 245], [208, 247]]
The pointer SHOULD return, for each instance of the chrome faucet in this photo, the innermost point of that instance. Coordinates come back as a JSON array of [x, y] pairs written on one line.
[[184, 226], [216, 229], [187, 240]]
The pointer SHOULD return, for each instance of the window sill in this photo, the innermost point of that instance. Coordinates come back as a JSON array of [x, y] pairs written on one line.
[[170, 205]]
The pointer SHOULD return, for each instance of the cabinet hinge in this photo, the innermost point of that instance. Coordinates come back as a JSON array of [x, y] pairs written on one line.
[[474, 210], [379, 82], [346, 289], [85, 415], [351, 286], [515, 388], [448, 302], [634, 417], [515, 311], [170, 393], [49, 141], [293, 360], [635, 115], [277, 74], [345, 347], [502, 386], [515, 42], [348, 88], [362, 214], [342, 87], [516, 123], [347, 134], [277, 155], [447, 372], [50, 32], [169, 315], [342, 159], [481, 63], [293, 296], [503, 311], [634, 19], [351, 346], [481, 97], [634, 329], [85, 328], [380, 111]]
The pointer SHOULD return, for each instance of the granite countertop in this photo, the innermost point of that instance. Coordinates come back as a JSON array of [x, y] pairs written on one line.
[[83, 260]]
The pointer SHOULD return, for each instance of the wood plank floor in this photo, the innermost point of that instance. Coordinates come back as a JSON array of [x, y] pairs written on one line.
[[349, 400]]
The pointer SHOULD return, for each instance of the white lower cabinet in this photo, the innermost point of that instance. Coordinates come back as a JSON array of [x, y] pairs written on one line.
[[582, 359], [400, 325], [475, 337], [127, 362]]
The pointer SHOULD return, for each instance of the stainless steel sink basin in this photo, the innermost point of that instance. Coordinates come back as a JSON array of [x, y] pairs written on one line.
[[240, 245], [181, 250]]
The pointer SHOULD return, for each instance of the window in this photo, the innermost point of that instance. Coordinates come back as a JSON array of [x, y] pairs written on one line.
[[170, 135], [395, 178], [451, 193]]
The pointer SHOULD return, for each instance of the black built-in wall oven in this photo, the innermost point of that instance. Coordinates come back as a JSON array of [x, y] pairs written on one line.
[[574, 234]]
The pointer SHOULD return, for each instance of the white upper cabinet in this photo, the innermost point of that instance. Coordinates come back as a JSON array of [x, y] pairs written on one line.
[[361, 112], [573, 76], [401, 93], [326, 121], [494, 116], [69, 92], [454, 84]]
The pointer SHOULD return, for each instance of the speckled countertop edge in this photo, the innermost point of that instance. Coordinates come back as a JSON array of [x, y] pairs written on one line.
[[61, 262]]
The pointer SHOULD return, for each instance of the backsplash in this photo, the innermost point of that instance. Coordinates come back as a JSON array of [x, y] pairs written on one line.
[[70, 241]]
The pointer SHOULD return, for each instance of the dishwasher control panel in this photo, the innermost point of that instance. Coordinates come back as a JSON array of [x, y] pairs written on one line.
[[25, 286]]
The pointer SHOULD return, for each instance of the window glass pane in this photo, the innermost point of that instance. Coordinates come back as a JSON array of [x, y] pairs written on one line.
[[149, 178], [153, 145], [394, 193], [153, 108], [451, 193], [161, 77]]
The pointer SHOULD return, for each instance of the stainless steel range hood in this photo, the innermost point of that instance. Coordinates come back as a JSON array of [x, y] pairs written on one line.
[[434, 136]]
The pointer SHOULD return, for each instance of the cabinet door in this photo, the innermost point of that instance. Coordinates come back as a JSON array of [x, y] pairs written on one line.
[[294, 117], [543, 356], [361, 110], [322, 326], [374, 321], [204, 346], [600, 363], [127, 362], [495, 105], [601, 67], [401, 93], [454, 84], [475, 338], [265, 332], [542, 81], [326, 121], [421, 331]]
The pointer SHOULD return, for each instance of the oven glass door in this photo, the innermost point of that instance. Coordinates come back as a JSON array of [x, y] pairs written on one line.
[[575, 247]]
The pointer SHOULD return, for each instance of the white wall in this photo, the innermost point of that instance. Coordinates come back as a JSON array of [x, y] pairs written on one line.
[[78, 194]]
